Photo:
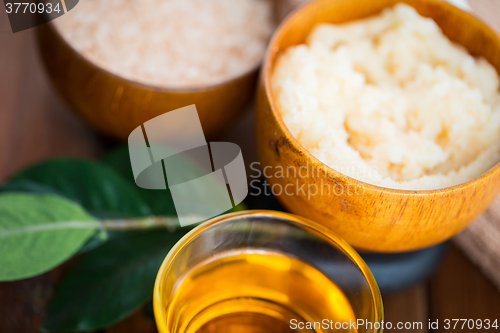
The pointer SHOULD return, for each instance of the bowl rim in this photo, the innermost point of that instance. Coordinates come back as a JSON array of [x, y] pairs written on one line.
[[266, 73], [161, 89], [304, 223]]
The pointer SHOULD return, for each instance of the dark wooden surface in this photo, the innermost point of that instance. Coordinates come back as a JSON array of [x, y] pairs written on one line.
[[35, 124]]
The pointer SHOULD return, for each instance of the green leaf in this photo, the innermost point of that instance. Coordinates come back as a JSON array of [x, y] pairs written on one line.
[[98, 188], [119, 160], [110, 282], [95, 241], [28, 186], [159, 201], [38, 232]]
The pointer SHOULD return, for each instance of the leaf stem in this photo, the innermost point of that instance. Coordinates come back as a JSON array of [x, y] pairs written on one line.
[[169, 222]]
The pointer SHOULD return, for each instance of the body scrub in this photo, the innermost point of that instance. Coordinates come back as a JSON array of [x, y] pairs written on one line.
[[170, 43], [389, 100]]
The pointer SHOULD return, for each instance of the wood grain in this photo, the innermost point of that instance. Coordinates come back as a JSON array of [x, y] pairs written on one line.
[[369, 217], [116, 106], [459, 290], [408, 306], [34, 124]]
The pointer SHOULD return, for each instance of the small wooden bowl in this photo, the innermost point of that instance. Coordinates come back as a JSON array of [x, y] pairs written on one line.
[[115, 105], [370, 217]]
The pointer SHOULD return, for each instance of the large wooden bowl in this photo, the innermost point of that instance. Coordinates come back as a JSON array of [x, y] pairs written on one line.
[[115, 106], [367, 216]]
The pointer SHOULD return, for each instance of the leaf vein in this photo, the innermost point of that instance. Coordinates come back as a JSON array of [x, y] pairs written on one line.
[[51, 226]]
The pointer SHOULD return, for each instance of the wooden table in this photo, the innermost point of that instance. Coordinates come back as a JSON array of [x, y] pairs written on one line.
[[35, 124]]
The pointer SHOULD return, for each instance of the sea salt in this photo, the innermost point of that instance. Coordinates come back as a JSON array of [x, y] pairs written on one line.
[[170, 43], [391, 101]]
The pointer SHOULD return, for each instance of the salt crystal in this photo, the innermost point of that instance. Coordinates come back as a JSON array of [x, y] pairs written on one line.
[[170, 43]]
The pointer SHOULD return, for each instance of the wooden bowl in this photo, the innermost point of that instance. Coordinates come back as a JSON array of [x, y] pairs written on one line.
[[115, 105], [370, 217]]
